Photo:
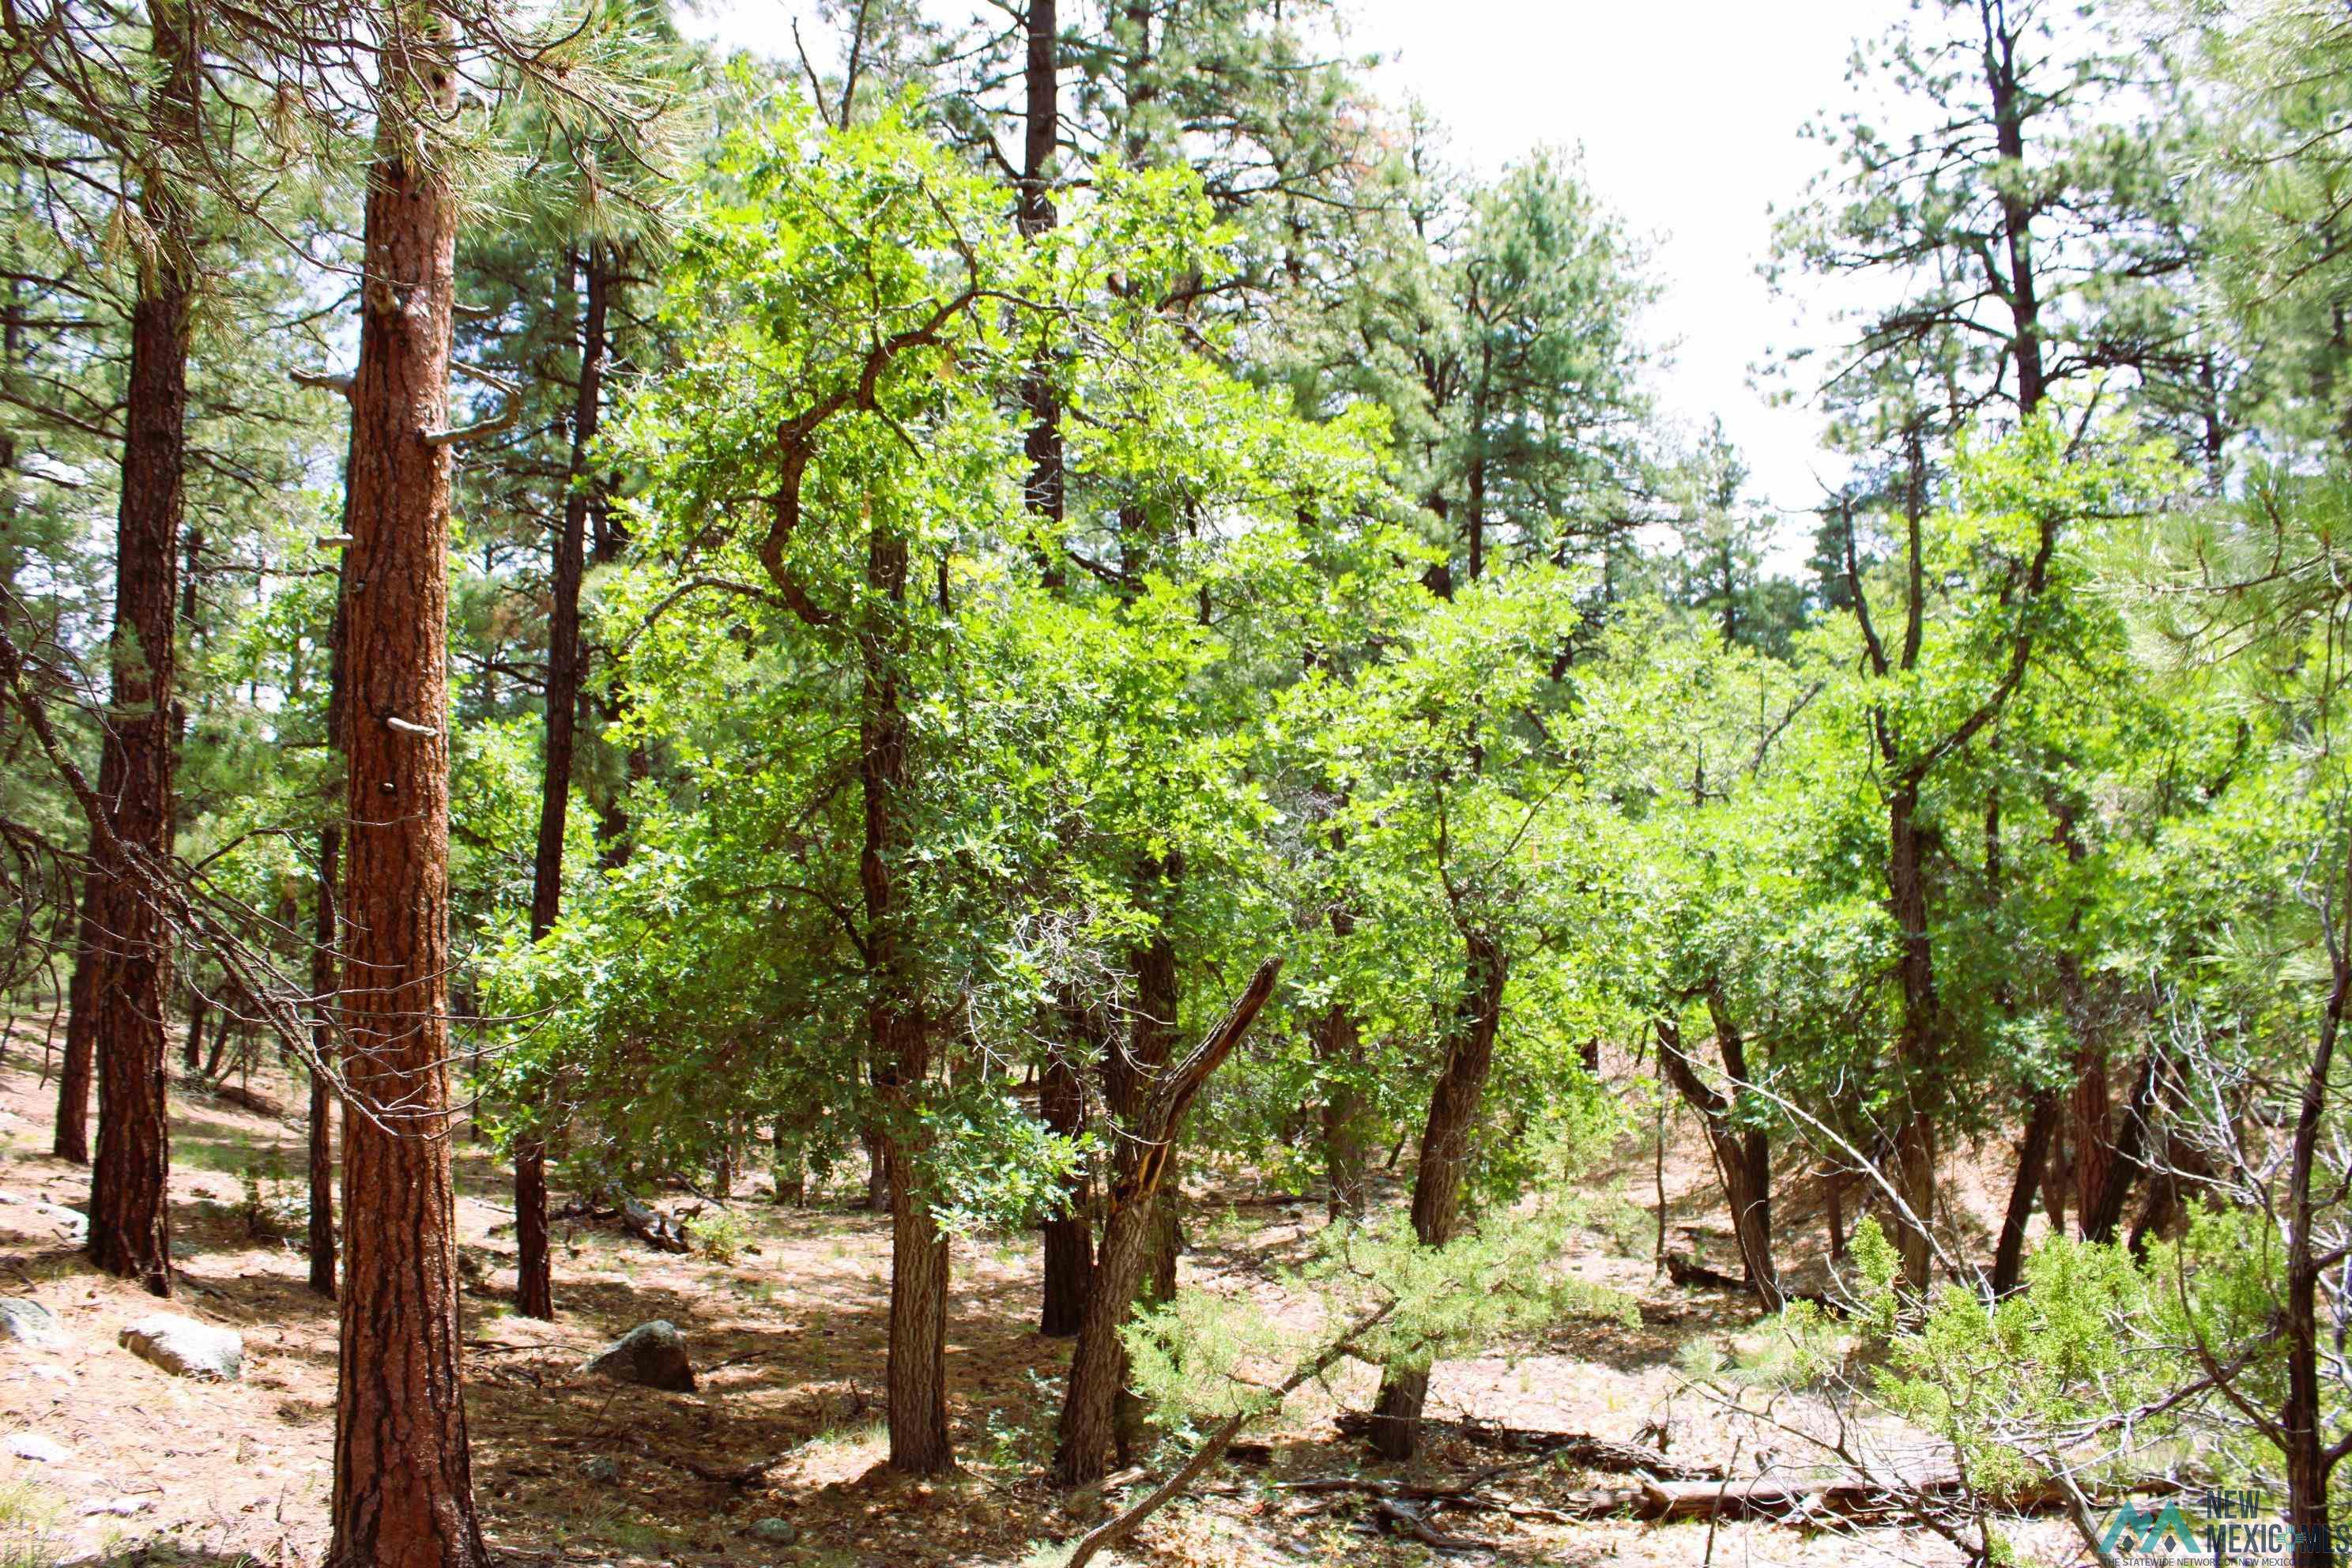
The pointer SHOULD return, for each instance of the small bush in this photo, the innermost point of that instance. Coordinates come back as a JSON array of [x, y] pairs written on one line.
[[721, 1236]]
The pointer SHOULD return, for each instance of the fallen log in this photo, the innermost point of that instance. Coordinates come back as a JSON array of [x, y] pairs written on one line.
[[1692, 1275], [1855, 1498], [1403, 1519], [259, 1104], [653, 1227], [1576, 1447]]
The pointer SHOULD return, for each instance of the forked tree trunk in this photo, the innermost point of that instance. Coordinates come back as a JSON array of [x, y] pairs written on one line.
[[403, 1495], [2032, 1154], [2123, 1150], [534, 1284], [1087, 1438], [1743, 1160], [129, 1215], [1445, 1140], [322, 1046], [1127, 1087]]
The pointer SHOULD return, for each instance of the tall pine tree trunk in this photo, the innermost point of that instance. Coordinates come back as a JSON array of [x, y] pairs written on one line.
[[403, 1481], [129, 1215], [534, 1288], [1444, 1161]]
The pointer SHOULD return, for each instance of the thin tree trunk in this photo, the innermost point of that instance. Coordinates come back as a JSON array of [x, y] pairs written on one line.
[[129, 1219], [69, 1139], [1070, 1236], [322, 1045], [1743, 1160], [1041, 132], [1445, 1138], [223, 1031], [2099, 1221], [2032, 1154], [2310, 1460], [790, 1171], [1127, 1088], [1915, 1139], [1339, 1049], [877, 1173], [534, 1284], [192, 1047], [403, 1494]]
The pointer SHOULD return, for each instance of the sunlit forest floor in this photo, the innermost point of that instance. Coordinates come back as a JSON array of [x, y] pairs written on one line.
[[788, 1340]]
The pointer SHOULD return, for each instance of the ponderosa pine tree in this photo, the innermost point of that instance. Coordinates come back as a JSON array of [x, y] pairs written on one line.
[[404, 1493], [129, 990]]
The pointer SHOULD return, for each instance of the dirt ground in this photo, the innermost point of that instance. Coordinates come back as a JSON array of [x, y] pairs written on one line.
[[789, 1340]]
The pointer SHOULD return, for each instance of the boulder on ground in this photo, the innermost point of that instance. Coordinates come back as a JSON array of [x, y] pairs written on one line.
[[39, 1449], [779, 1531], [26, 1320], [651, 1355], [185, 1347]]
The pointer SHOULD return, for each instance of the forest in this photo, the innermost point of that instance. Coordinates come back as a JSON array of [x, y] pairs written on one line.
[[990, 790]]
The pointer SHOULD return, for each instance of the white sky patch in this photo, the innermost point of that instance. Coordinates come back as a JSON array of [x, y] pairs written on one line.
[[1688, 114]]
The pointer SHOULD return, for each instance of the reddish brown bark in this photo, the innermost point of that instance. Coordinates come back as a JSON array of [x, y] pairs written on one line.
[[1445, 1142], [404, 1482], [131, 987]]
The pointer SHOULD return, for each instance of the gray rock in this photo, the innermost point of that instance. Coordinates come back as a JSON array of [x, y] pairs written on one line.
[[781, 1532], [602, 1468], [651, 1355], [123, 1507], [71, 1223], [186, 1347], [39, 1449], [26, 1320]]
